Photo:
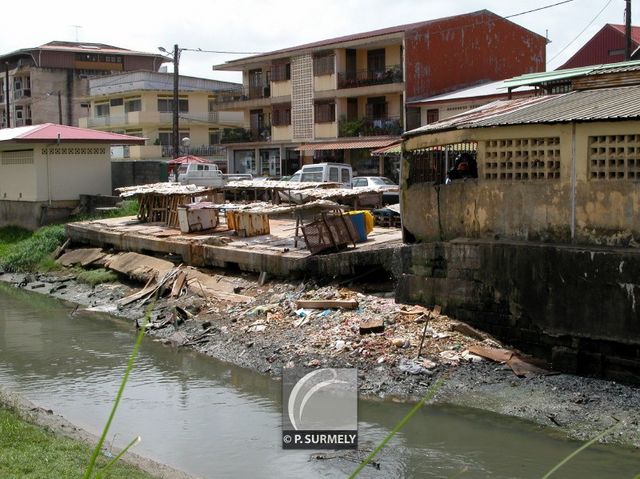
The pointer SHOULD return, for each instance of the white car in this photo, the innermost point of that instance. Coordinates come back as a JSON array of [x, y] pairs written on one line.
[[390, 191]]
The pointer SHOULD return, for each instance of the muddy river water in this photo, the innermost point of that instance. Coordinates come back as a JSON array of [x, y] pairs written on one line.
[[213, 419]]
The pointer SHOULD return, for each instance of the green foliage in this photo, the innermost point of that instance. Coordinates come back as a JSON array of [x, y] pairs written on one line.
[[27, 254], [350, 128], [30, 452], [10, 235], [96, 276]]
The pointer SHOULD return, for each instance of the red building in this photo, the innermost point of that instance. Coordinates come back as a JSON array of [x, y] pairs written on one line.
[[606, 46]]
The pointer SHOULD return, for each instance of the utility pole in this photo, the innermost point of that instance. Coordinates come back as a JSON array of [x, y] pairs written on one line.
[[627, 31], [176, 80], [6, 92], [59, 108]]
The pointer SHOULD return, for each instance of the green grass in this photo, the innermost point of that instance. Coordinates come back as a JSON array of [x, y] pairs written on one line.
[[25, 251], [30, 252], [31, 452], [96, 276]]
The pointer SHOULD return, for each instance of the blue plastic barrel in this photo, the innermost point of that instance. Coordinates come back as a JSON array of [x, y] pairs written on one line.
[[358, 223]]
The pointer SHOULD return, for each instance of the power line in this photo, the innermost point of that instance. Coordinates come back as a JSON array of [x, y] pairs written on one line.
[[538, 9], [226, 53], [581, 32]]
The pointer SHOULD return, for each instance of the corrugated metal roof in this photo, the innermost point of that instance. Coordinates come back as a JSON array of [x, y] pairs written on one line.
[[50, 133], [394, 149], [577, 106], [635, 31], [466, 119], [545, 77], [348, 145]]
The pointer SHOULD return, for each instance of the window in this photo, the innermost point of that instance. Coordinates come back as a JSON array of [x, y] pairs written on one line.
[[281, 115], [214, 137], [376, 107], [281, 71], [323, 64], [345, 175], [165, 105], [325, 112], [376, 60], [333, 174], [166, 137], [433, 115], [102, 109], [357, 182], [133, 105], [116, 102]]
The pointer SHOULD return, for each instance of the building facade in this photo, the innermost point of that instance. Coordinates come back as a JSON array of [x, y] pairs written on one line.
[[141, 104], [338, 99], [46, 83], [45, 168]]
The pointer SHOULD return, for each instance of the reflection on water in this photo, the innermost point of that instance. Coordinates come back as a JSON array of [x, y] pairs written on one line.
[[216, 420]]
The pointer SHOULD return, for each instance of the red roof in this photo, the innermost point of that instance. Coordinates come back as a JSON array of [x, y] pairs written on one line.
[[51, 133], [348, 145], [635, 32]]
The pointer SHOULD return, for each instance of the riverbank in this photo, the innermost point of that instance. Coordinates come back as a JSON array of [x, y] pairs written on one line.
[[271, 331], [36, 442]]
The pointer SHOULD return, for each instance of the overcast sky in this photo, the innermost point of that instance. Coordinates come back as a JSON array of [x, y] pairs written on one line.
[[265, 25]]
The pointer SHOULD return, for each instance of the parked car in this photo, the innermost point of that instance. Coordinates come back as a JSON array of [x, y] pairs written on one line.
[[200, 174], [327, 172], [390, 191]]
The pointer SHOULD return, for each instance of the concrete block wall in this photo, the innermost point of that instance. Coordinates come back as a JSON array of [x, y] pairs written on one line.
[[579, 308], [132, 173]]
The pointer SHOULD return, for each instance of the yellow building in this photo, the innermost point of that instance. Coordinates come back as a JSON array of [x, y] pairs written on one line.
[[141, 104], [340, 98], [562, 168]]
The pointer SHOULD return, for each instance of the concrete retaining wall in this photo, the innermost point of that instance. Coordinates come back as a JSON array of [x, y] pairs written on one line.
[[34, 214], [131, 173], [576, 307]]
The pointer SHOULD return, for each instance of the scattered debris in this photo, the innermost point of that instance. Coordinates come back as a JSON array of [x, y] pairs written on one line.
[[322, 304], [375, 325]]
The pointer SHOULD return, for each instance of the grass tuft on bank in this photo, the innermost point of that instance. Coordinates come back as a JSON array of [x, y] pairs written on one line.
[[24, 251], [96, 276], [31, 452]]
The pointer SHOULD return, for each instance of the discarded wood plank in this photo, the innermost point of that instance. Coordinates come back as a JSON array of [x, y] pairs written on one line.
[[148, 288], [139, 266], [372, 326], [465, 329], [60, 249], [497, 355], [522, 368], [178, 284], [327, 304], [83, 256]]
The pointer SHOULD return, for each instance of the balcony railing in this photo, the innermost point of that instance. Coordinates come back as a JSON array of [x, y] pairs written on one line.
[[24, 93], [154, 117], [244, 135], [390, 74], [370, 127], [203, 151], [243, 94]]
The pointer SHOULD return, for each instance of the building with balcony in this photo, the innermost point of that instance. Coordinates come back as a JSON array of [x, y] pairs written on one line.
[[338, 99], [141, 104], [45, 83]]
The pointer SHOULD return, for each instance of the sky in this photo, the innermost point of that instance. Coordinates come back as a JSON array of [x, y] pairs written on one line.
[[267, 25]]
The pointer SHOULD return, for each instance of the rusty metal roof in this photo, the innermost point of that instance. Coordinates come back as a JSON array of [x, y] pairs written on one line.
[[577, 106], [349, 145]]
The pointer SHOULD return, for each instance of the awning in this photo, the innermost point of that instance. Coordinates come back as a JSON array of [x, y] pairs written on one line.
[[393, 149], [348, 145]]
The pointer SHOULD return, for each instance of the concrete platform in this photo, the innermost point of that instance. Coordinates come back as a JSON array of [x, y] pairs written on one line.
[[275, 253]]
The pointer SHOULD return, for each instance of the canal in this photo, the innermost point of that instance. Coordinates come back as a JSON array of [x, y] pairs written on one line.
[[213, 419]]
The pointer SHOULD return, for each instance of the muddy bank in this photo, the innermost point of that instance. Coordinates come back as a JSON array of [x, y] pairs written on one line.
[[271, 331], [50, 421]]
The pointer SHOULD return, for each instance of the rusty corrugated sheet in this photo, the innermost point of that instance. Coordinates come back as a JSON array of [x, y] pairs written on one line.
[[348, 145]]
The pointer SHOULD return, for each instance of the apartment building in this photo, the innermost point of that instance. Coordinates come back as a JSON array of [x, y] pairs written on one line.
[[339, 99], [45, 83], [141, 104]]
